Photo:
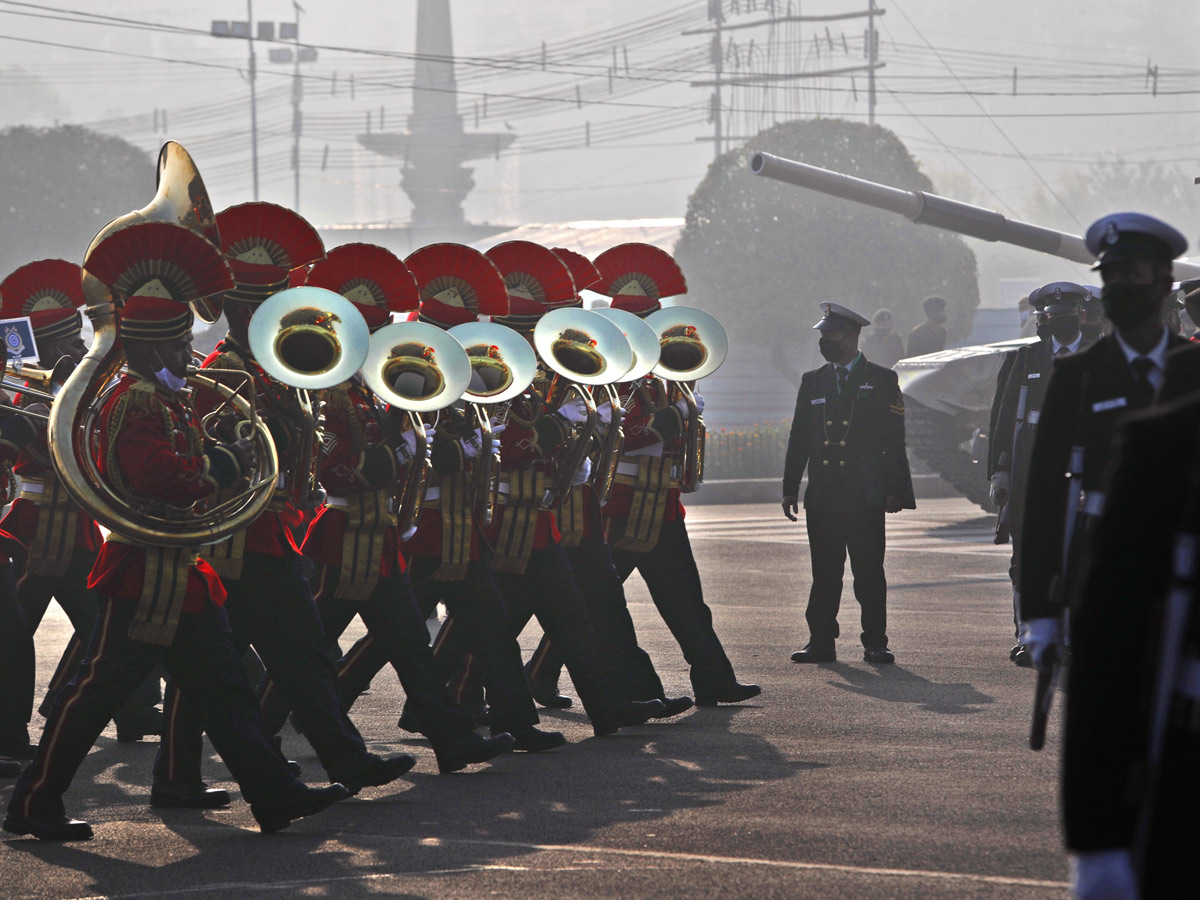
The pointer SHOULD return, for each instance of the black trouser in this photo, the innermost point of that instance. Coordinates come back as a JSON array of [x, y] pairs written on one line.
[[394, 621], [831, 534], [271, 607], [202, 660], [82, 605], [16, 666], [477, 599], [616, 638], [673, 580], [548, 589], [1171, 844]]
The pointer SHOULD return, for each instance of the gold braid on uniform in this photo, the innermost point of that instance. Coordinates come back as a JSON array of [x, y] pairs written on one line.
[[53, 542]]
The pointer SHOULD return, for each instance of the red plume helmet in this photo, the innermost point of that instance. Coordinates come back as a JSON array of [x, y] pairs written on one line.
[[534, 272], [456, 284], [369, 276], [583, 271], [637, 276], [50, 292], [264, 242], [159, 259]]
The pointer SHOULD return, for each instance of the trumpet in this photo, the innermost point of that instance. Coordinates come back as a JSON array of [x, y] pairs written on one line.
[[418, 368], [584, 350], [693, 344], [307, 338], [503, 366]]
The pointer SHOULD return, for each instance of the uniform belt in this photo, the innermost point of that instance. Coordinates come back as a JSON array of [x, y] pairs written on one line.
[[1031, 417], [1093, 503], [32, 490], [337, 502], [1188, 682], [502, 488], [624, 468], [433, 492]]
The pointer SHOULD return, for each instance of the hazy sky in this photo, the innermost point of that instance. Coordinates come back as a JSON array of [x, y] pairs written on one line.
[[1090, 58]]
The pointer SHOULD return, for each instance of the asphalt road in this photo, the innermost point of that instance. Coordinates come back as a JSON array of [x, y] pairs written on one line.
[[844, 780]]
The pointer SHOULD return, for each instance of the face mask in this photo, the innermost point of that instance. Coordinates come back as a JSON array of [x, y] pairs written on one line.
[[168, 379], [1043, 328], [1128, 305], [1064, 330], [830, 349]]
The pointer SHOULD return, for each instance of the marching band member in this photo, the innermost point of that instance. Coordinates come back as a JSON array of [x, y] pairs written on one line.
[[355, 541], [63, 540], [159, 603], [270, 603], [644, 516]]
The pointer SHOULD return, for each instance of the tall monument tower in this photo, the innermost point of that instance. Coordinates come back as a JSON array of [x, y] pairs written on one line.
[[434, 146]]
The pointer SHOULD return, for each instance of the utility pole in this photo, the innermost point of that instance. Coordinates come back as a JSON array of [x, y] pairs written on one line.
[[734, 80], [253, 97], [872, 48]]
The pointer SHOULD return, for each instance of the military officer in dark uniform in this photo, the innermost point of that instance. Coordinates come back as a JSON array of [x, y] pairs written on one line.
[[1088, 393], [1019, 412], [1130, 780], [848, 431]]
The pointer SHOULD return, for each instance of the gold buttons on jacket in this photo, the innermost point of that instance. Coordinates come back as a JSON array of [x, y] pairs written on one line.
[[829, 422], [827, 443], [824, 462], [845, 421], [841, 462], [843, 443]]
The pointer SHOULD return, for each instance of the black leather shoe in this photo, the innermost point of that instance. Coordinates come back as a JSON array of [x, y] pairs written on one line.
[[181, 795], [472, 748], [815, 653], [734, 693], [9, 768], [49, 828], [546, 692], [1021, 656], [18, 751], [374, 771], [308, 802], [878, 655], [408, 722], [673, 706], [626, 715], [534, 740]]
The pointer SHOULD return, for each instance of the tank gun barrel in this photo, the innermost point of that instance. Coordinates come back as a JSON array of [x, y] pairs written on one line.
[[940, 212]]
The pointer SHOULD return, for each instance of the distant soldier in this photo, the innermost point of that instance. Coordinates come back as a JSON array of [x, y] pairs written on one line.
[[1088, 393], [848, 431], [1019, 411], [930, 336], [883, 346], [1093, 323]]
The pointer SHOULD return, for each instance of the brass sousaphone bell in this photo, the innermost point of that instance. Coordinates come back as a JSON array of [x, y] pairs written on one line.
[[181, 198], [693, 344], [309, 338], [416, 367]]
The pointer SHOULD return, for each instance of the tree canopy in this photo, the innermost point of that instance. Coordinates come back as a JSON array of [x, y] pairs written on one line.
[[761, 255], [59, 186]]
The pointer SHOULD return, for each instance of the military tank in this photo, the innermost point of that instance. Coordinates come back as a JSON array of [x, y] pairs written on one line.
[[947, 403], [948, 395]]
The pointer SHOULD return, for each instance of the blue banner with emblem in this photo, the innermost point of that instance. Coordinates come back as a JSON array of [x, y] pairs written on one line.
[[18, 340]]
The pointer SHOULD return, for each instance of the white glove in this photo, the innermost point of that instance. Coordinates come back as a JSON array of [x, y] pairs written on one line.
[[408, 534], [999, 489], [682, 404], [605, 412], [654, 449], [1104, 875], [1038, 636], [583, 473], [472, 444], [407, 449], [574, 411], [495, 446]]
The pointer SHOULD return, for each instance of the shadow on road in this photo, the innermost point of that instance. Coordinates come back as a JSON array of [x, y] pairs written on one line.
[[895, 684], [431, 825]]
